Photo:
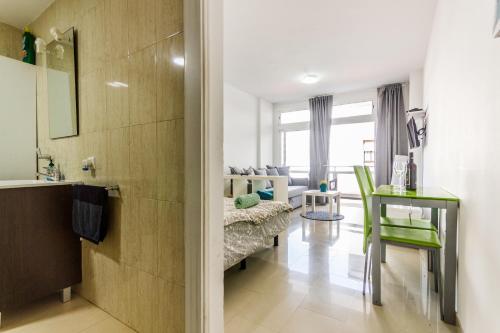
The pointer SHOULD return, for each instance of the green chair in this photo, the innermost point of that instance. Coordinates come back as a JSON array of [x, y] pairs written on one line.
[[398, 222], [391, 234]]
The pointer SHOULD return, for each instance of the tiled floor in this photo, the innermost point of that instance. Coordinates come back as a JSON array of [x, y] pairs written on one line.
[[312, 283], [51, 316]]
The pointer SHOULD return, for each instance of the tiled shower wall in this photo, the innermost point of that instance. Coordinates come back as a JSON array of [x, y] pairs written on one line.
[[135, 131], [11, 40]]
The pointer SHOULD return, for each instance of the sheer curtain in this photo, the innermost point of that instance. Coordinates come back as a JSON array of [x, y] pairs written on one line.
[[392, 138], [320, 125]]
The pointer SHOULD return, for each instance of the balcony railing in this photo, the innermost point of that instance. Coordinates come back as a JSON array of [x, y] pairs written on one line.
[[337, 173]]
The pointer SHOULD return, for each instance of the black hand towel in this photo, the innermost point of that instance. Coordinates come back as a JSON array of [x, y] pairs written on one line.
[[89, 212]]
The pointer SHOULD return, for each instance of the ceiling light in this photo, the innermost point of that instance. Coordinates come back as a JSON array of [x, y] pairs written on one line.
[[179, 61], [310, 79]]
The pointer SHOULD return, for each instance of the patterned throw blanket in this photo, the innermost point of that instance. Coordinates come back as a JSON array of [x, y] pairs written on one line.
[[264, 211]]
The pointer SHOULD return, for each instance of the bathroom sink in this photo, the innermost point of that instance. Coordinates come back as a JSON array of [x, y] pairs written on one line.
[[4, 184]]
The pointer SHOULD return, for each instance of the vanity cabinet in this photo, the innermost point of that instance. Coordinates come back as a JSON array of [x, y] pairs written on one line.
[[39, 253]]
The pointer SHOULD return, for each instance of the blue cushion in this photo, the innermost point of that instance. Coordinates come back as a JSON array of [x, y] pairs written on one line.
[[266, 194]]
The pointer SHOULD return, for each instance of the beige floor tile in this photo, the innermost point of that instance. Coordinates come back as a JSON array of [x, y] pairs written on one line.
[[308, 321], [241, 325], [312, 282], [110, 325], [51, 316]]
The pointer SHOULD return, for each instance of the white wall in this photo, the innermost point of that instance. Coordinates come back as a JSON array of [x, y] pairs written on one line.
[[265, 143], [462, 93], [415, 100], [17, 119], [248, 129]]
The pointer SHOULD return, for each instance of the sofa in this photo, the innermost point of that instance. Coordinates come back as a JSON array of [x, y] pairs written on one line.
[[296, 186]]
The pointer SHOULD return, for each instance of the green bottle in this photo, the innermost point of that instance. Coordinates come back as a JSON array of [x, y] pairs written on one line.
[[29, 54]]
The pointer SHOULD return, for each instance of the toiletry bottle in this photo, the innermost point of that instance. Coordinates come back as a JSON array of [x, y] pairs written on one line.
[[411, 174]]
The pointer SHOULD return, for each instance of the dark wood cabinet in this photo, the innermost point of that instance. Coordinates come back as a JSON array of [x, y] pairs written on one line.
[[39, 253]]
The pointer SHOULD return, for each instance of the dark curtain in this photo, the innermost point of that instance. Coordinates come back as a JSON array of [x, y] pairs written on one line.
[[392, 137], [321, 120]]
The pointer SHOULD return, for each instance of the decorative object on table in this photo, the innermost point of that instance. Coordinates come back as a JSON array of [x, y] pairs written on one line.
[[323, 186], [399, 172], [411, 174], [247, 201], [496, 27], [322, 216]]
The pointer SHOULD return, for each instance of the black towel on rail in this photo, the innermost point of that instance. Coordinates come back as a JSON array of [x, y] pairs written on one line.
[[89, 212]]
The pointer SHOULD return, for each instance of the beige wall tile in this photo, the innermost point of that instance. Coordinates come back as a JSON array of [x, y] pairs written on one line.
[[116, 28], [171, 307], [170, 78], [66, 11], [119, 160], [141, 240], [142, 86], [141, 20], [91, 39], [10, 41], [94, 113], [117, 107], [145, 295], [143, 159], [119, 127], [171, 241], [169, 18], [171, 160]]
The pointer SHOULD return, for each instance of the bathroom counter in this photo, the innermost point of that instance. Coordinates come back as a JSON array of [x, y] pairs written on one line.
[[5, 184]]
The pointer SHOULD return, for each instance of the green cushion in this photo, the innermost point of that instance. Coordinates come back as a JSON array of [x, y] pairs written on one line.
[[406, 223], [246, 201], [416, 237]]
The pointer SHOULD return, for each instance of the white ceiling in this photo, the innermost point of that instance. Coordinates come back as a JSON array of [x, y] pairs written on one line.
[[351, 44], [20, 13]]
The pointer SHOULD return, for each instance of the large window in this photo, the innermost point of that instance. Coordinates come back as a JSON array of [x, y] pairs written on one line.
[[353, 130], [295, 152]]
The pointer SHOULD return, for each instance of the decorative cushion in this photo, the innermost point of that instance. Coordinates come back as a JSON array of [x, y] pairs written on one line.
[[250, 171], [263, 172], [236, 171], [272, 172], [282, 171]]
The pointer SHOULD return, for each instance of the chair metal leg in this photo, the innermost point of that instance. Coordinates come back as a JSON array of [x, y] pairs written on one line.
[[436, 268], [382, 252], [370, 265], [366, 271]]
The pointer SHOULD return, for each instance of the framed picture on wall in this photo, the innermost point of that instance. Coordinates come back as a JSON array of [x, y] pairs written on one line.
[[496, 29]]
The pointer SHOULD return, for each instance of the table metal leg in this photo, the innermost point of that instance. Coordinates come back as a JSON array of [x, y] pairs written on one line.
[[313, 202], [338, 204], [450, 263], [304, 202], [376, 271], [435, 222], [330, 206]]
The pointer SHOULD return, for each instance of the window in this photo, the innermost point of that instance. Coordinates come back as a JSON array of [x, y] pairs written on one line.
[[295, 152], [352, 110], [351, 142], [347, 148], [295, 117]]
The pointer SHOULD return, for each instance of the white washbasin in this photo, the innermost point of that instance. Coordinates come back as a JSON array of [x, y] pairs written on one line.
[[4, 184]]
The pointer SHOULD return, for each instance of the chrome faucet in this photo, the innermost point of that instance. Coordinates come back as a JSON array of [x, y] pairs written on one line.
[[41, 156], [52, 171]]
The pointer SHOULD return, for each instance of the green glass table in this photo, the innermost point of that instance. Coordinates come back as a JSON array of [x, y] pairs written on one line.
[[434, 198]]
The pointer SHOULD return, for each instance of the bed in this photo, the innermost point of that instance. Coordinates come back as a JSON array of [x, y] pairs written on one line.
[[247, 231]]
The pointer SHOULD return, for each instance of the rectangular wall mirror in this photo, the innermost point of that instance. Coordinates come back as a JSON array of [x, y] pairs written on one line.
[[61, 86]]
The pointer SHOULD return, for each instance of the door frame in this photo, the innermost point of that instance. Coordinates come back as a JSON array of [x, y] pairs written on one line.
[[203, 168]]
